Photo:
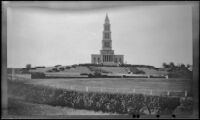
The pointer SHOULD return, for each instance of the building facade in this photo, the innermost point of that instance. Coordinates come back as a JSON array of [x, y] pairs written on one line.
[[107, 56]]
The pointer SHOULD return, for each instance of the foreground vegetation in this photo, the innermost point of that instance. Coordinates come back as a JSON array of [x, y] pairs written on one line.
[[18, 106], [154, 86], [105, 102]]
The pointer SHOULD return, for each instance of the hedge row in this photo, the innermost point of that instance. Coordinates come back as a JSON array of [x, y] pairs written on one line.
[[105, 102], [121, 65], [37, 75], [180, 74]]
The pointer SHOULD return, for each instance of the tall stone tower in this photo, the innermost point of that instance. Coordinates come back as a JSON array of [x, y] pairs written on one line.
[[107, 52], [106, 56], [107, 42]]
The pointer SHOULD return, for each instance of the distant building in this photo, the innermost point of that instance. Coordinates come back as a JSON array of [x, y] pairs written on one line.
[[107, 56]]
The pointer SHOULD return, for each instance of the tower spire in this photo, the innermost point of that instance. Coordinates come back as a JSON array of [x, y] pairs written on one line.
[[107, 19]]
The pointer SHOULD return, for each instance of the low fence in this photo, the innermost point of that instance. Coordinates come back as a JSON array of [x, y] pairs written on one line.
[[110, 90], [126, 90], [19, 76]]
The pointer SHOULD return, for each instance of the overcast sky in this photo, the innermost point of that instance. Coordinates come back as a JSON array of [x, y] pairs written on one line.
[[148, 35]]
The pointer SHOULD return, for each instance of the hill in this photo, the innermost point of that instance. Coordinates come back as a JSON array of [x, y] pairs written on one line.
[[85, 69]]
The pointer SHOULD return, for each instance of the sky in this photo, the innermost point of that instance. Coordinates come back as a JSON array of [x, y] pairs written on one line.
[[145, 35]]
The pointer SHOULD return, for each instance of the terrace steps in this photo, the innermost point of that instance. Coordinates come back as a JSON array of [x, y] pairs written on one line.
[[78, 69], [122, 70]]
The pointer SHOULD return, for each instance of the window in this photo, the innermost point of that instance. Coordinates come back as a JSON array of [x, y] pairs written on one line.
[[120, 60], [116, 60], [107, 44], [107, 35]]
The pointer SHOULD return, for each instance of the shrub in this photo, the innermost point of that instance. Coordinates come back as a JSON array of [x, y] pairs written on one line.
[[185, 107], [180, 74], [62, 68], [40, 67], [55, 70], [143, 66], [67, 67], [83, 73], [105, 102], [136, 71], [167, 104], [74, 66], [36, 75], [151, 103], [24, 71], [49, 70], [57, 65]]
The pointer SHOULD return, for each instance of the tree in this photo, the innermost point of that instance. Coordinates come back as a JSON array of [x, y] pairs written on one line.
[[165, 65], [182, 66], [188, 65], [171, 64], [28, 66]]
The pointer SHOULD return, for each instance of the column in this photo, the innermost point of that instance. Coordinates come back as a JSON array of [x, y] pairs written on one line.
[[106, 58], [112, 58]]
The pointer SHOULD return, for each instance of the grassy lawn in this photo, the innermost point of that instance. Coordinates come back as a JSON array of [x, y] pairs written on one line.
[[122, 84]]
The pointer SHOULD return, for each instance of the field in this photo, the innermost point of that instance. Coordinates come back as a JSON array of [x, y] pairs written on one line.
[[154, 86], [94, 94]]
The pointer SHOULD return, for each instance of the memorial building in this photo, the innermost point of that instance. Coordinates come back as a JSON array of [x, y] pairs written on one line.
[[107, 56]]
